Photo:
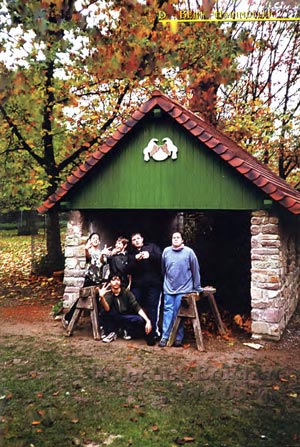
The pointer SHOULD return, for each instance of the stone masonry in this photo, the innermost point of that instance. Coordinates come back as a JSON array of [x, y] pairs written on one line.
[[275, 274], [75, 261]]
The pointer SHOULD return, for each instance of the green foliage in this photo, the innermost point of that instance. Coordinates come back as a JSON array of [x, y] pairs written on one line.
[[57, 308], [76, 69]]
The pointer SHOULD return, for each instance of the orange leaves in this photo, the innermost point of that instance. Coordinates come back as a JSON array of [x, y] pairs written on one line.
[[226, 62], [246, 45], [288, 386], [191, 365], [184, 440], [35, 422], [238, 320], [133, 62], [242, 322]]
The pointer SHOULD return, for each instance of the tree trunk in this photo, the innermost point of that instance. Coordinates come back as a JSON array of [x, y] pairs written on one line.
[[55, 258]]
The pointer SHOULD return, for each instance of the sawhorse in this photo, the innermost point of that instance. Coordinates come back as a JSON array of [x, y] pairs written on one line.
[[188, 309], [87, 301]]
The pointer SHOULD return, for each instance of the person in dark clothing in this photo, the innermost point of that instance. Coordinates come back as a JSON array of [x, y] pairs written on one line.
[[144, 266], [95, 260], [118, 261], [121, 311]]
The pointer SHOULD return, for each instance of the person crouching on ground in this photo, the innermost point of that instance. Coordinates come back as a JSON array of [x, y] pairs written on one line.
[[121, 311]]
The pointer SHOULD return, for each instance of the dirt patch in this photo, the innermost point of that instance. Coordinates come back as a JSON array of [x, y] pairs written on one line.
[[35, 318], [26, 309]]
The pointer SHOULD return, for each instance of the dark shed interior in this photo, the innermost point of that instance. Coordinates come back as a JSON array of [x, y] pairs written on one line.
[[220, 239]]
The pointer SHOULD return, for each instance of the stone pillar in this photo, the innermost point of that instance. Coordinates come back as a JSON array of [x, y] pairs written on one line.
[[266, 277], [75, 260], [275, 273]]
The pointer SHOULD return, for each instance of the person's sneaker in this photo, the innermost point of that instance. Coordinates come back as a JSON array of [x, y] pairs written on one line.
[[163, 343], [102, 333], [125, 335], [112, 336], [177, 344]]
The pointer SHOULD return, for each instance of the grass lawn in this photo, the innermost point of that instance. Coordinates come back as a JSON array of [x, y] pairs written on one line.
[[60, 391]]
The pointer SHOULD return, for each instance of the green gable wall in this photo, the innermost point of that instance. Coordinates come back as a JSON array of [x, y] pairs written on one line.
[[197, 179]]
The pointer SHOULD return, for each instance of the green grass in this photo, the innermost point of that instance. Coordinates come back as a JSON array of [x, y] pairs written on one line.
[[52, 396]]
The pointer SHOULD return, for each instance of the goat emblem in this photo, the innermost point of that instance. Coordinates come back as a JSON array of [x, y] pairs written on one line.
[[160, 153]]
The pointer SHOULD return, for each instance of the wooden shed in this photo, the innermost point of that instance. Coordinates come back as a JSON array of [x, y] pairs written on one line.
[[165, 166]]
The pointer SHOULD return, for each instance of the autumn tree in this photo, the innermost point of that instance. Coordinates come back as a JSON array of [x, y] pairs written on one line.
[[262, 108], [73, 74]]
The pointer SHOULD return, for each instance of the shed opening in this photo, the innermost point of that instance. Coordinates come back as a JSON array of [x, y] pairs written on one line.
[[220, 239]]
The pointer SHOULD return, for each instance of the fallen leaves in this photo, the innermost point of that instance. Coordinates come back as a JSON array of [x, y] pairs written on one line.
[[184, 440], [242, 322], [191, 365], [16, 280], [6, 396], [35, 422]]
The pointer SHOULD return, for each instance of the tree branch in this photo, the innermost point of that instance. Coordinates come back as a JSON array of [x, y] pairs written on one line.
[[19, 136], [72, 158]]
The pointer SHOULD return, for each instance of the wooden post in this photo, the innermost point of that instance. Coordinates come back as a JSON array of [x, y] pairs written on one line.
[[87, 301], [188, 309]]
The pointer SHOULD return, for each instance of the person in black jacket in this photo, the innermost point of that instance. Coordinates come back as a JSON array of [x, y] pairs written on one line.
[[144, 266], [121, 311], [117, 260]]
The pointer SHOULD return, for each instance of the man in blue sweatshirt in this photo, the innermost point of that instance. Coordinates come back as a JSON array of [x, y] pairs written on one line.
[[181, 272]]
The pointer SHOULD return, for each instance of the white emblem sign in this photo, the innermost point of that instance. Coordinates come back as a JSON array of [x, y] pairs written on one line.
[[160, 153]]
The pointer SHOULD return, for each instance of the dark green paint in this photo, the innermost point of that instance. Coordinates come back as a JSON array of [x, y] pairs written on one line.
[[198, 179]]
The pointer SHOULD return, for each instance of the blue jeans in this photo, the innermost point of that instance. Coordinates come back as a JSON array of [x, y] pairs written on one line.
[[171, 306], [148, 298]]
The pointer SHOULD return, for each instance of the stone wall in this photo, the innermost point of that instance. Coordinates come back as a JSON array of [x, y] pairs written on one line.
[[275, 274], [75, 260]]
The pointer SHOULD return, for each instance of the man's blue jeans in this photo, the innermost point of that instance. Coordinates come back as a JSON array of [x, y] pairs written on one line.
[[171, 306]]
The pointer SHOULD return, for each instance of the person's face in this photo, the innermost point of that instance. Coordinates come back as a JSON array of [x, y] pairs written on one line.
[[137, 241], [115, 283], [119, 246], [95, 240], [177, 240]]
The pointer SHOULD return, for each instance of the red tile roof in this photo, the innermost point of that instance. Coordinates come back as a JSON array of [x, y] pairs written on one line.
[[240, 160]]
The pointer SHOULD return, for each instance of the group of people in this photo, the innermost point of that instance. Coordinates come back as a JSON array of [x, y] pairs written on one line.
[[131, 282]]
